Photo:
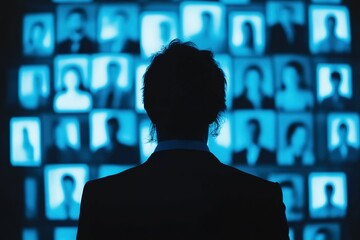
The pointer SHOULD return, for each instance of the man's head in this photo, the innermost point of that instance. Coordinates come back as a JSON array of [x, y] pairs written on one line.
[[297, 135], [330, 22], [343, 132], [113, 126], [207, 22], [254, 130], [286, 14], [335, 79], [329, 192], [165, 31], [184, 90], [68, 186], [120, 20], [76, 21], [113, 72], [292, 75]]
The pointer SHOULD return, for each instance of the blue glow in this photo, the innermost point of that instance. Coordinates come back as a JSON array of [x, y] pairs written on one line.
[[25, 141], [206, 35], [352, 122], [221, 145], [31, 198], [225, 63], [325, 88], [273, 9], [68, 233], [55, 194], [98, 132], [319, 231], [317, 195], [140, 70], [70, 97], [110, 169], [146, 147], [34, 86], [157, 30], [38, 34], [319, 34], [30, 234]]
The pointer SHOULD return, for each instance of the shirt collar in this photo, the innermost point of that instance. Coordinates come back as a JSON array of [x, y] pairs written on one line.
[[182, 144]]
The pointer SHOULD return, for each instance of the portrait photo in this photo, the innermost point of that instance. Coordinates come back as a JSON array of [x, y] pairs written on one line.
[[204, 24], [329, 29], [326, 231], [112, 83], [34, 87], [327, 195], [246, 33], [334, 86], [72, 84], [118, 26], [38, 34], [253, 84], [254, 137], [64, 184], [25, 141]]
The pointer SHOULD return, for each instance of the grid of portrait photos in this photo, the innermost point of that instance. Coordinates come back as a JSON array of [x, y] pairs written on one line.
[[293, 102]]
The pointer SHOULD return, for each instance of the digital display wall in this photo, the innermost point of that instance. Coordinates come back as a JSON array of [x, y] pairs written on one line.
[[292, 98]]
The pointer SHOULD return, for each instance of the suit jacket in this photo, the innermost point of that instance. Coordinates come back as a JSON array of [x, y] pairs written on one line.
[[265, 157], [279, 43], [120, 154], [86, 46], [341, 104], [182, 194], [336, 157]]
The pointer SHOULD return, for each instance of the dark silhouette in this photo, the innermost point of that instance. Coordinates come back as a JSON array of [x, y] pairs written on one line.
[[343, 152], [116, 152], [77, 40], [253, 96], [335, 101], [254, 153], [287, 35], [182, 191]]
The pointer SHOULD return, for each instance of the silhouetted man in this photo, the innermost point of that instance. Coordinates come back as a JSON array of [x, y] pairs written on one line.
[[335, 101], [114, 151], [183, 191], [77, 40], [254, 153], [343, 151]]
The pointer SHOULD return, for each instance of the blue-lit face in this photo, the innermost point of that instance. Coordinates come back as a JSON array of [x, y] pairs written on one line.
[[120, 24], [254, 132], [335, 83], [331, 25], [343, 135], [68, 188], [246, 30], [320, 236], [291, 78], [165, 32], [113, 72], [285, 16], [208, 23]]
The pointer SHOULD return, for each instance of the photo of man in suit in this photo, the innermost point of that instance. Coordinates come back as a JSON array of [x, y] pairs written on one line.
[[335, 101], [286, 35], [116, 152], [77, 40], [182, 190], [254, 153], [343, 152], [329, 209]]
